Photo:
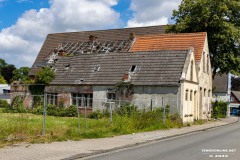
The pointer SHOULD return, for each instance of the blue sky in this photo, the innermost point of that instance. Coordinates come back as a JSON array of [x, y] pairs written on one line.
[[24, 24]]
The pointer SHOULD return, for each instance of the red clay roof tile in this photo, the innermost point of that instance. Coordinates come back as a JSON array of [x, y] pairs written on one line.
[[179, 41]]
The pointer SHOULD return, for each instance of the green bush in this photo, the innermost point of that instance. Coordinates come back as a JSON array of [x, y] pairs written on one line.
[[16, 106], [219, 109], [96, 115], [53, 110], [70, 111], [4, 104], [127, 109], [38, 110]]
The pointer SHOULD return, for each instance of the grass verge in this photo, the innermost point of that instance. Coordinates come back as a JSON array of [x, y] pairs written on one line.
[[26, 127]]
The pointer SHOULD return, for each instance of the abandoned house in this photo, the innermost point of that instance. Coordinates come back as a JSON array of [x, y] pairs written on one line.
[[162, 69]]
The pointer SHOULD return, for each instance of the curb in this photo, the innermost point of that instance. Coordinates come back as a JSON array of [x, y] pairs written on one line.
[[83, 155]]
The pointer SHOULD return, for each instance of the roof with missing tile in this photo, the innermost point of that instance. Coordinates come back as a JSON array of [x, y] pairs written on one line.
[[53, 40], [179, 41], [162, 68]]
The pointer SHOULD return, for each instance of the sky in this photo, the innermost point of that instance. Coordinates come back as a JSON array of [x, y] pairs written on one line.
[[24, 24]]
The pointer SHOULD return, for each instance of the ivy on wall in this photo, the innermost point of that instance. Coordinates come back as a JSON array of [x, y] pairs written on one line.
[[124, 89]]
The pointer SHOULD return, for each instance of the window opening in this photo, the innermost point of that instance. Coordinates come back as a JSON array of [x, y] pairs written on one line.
[[52, 98], [208, 64], [191, 72], [186, 95], [82, 99], [203, 61], [191, 95]]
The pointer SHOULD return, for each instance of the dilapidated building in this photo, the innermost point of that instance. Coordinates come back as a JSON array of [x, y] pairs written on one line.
[[160, 69]]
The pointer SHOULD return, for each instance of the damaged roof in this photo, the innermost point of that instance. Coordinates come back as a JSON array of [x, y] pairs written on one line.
[[178, 41], [161, 68], [103, 36]]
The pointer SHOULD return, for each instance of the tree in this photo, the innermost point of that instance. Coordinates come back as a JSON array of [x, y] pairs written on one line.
[[21, 74], [235, 84], [2, 64], [221, 20], [2, 80], [7, 72], [44, 76]]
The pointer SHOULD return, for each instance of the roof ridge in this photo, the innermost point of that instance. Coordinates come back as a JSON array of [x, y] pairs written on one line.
[[108, 29], [171, 35]]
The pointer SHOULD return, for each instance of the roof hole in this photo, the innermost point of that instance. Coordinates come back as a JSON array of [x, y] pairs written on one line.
[[67, 66], [133, 68]]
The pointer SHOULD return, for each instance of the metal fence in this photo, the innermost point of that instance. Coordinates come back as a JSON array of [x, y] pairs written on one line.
[[85, 108]]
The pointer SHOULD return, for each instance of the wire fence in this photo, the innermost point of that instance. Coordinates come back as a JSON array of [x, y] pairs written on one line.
[[39, 115]]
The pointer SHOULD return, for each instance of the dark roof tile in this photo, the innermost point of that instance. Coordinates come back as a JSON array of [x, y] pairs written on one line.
[[153, 68]]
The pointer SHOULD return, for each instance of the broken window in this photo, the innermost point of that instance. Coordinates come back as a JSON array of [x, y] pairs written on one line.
[[111, 96], [82, 99]]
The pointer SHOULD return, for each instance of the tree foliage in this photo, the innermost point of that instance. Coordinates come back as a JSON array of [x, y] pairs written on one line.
[[44, 76], [2, 80], [221, 20], [124, 89], [235, 84], [21, 74], [6, 70]]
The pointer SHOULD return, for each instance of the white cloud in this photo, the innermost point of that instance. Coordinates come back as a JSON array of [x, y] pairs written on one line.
[[20, 43], [151, 12]]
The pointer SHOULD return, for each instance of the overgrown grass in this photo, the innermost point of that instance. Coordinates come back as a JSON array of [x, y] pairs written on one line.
[[26, 127]]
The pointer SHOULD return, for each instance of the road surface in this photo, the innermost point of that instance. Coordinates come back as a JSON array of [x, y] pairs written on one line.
[[219, 143]]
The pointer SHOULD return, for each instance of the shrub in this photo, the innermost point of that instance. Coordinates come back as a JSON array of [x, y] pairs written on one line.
[[16, 106], [4, 104], [70, 111], [127, 109], [53, 110], [96, 115], [219, 109], [38, 110]]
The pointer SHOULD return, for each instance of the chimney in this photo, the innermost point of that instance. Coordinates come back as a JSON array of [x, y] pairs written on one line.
[[61, 51], [126, 77], [132, 36]]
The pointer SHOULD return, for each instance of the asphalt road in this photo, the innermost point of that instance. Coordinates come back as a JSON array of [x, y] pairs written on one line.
[[219, 143]]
